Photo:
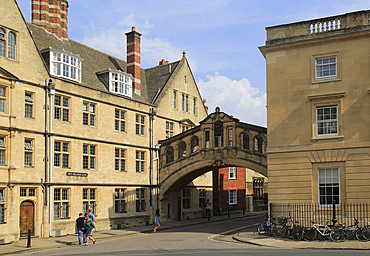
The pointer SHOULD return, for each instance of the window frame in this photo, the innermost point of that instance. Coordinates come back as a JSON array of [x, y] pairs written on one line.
[[63, 63], [61, 203], [91, 116], [64, 110], [29, 104], [119, 160], [139, 124], [62, 154], [233, 200], [140, 200], [202, 197], [120, 83], [120, 201], [186, 198], [322, 190], [3, 158], [232, 173], [120, 121], [88, 201], [29, 152], [3, 99], [337, 77], [169, 129], [89, 157], [140, 161], [325, 100]]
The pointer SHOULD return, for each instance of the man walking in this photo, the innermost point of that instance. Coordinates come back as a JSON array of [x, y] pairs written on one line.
[[80, 223]]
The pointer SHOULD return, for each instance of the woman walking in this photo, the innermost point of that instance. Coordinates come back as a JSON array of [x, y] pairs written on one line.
[[89, 225], [157, 221]]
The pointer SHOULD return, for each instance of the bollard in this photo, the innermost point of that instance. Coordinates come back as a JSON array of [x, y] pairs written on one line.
[[228, 213], [243, 210], [29, 239]]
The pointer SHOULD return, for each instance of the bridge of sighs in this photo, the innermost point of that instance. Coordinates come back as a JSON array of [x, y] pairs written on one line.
[[219, 141]]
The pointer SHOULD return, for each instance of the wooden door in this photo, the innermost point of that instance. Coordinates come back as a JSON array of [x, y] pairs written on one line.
[[27, 218]]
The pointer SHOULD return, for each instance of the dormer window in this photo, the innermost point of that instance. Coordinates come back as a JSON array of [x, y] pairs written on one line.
[[121, 83], [66, 65], [117, 81]]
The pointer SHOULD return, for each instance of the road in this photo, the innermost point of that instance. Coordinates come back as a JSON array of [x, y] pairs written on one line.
[[205, 239]]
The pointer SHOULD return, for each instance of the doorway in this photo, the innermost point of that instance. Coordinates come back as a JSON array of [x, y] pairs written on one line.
[[27, 218]]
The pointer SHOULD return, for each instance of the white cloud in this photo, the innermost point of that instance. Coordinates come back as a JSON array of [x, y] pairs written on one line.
[[236, 98]]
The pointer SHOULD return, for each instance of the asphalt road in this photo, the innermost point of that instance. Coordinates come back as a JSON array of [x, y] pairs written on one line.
[[205, 239]]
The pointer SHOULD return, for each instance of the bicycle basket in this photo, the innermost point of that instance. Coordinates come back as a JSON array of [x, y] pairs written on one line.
[[281, 220]]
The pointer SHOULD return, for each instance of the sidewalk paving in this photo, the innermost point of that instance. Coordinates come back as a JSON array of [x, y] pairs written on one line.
[[39, 244], [285, 243]]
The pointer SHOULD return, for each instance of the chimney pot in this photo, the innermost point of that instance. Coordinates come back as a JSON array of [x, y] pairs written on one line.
[[133, 28]]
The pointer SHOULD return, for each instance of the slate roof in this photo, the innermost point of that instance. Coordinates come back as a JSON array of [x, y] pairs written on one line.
[[152, 79]]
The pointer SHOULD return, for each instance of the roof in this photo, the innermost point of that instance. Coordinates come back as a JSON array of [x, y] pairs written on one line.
[[152, 79]]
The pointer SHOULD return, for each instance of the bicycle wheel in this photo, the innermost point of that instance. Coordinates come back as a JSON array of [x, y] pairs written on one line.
[[297, 233], [338, 235], [309, 234], [359, 235], [366, 232], [262, 228], [279, 231], [270, 229]]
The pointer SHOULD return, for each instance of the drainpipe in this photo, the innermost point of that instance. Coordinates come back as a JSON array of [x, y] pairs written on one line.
[[51, 87], [153, 116]]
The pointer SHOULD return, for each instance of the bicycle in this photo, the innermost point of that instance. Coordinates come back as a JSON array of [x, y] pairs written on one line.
[[366, 232], [309, 234], [341, 234], [295, 231], [266, 226]]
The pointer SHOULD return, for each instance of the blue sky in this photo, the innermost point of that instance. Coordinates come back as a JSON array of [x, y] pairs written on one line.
[[220, 37]]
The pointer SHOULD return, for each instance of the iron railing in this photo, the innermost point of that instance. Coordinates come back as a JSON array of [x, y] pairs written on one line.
[[335, 214]]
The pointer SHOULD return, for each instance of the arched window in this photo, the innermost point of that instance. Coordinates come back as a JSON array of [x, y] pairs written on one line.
[[244, 140], [219, 134], [259, 145], [182, 150], [2, 43], [169, 155], [194, 144], [11, 46]]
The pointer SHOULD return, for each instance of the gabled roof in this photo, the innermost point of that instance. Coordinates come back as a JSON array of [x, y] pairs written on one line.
[[157, 78], [153, 80]]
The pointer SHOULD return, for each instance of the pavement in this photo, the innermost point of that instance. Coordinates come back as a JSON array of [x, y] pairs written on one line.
[[39, 244]]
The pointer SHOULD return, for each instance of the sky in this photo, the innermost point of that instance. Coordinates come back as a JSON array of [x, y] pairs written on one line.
[[220, 38]]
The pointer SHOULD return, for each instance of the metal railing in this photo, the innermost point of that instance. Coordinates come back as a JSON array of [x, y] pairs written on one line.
[[337, 213]]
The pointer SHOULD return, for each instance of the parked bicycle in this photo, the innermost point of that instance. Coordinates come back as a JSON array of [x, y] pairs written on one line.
[[366, 232], [309, 234], [267, 226], [342, 233], [294, 230]]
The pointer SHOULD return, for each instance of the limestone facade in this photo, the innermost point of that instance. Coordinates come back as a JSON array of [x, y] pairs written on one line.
[[69, 141], [318, 101]]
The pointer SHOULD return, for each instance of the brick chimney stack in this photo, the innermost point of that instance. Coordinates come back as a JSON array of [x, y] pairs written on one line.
[[133, 58], [51, 15], [163, 62]]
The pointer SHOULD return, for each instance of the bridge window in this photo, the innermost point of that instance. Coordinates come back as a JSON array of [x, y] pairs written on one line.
[[182, 150], [244, 140], [194, 144], [206, 135], [259, 145], [233, 197], [186, 199], [219, 134], [169, 155], [230, 137]]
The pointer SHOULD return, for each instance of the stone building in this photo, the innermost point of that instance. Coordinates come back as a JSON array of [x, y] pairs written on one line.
[[318, 118], [80, 128]]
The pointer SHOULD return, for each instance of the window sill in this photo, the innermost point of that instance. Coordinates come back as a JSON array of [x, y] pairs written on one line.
[[333, 137], [325, 80]]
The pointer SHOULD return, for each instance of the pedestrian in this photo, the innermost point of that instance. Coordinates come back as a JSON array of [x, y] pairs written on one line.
[[80, 224], [90, 211], [157, 221], [89, 225], [208, 210]]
